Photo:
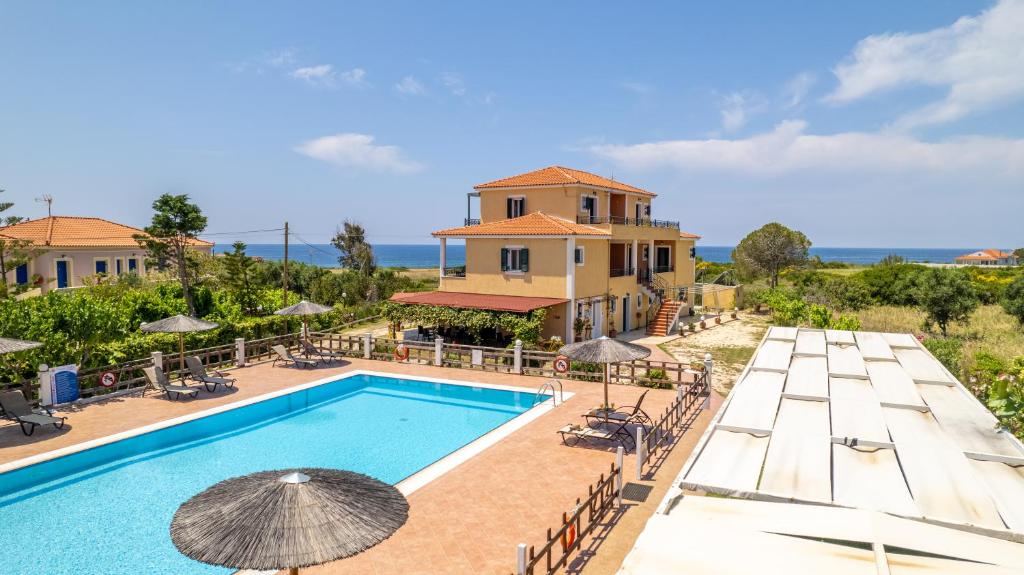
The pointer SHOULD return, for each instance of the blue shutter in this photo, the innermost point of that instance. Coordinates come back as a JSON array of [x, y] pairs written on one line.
[[524, 260], [504, 259], [21, 274]]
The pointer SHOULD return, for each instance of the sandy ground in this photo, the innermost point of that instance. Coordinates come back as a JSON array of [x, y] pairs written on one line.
[[730, 344]]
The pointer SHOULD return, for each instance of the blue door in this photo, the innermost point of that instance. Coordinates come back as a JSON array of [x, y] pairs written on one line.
[[133, 265], [62, 274], [21, 274], [101, 266]]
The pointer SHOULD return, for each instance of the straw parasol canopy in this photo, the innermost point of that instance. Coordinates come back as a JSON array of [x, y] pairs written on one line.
[[179, 324], [288, 519], [8, 345], [304, 308], [604, 350]]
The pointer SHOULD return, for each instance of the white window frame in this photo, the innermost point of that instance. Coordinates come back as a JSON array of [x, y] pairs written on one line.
[[597, 204], [658, 247], [583, 256], [639, 302], [522, 206], [96, 260], [119, 262], [138, 265], [508, 263]]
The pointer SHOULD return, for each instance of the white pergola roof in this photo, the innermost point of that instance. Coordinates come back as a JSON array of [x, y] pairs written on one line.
[[862, 420]]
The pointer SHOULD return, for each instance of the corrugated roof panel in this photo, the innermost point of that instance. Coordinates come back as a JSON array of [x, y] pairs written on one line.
[[730, 461], [1007, 486], [797, 466], [802, 416], [922, 367], [810, 343], [855, 411], [897, 340], [868, 478], [965, 421], [774, 355], [892, 384], [845, 360], [782, 333], [839, 336], [755, 400], [808, 376], [873, 346], [940, 477]]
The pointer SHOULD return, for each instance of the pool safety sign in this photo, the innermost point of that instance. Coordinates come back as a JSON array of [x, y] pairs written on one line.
[[63, 385]]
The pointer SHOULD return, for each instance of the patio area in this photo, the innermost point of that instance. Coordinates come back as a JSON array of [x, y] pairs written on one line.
[[470, 519]]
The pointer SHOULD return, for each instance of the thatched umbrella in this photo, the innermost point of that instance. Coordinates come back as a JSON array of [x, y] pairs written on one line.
[[8, 345], [305, 309], [287, 519], [179, 324], [604, 350]]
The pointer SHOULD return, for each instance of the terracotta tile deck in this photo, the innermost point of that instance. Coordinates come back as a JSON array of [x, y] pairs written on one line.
[[468, 520]]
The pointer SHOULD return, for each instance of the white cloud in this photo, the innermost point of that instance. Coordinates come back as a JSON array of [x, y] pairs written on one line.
[[357, 151], [737, 107], [356, 77], [789, 149], [322, 73], [797, 87], [979, 59], [409, 85], [454, 83]]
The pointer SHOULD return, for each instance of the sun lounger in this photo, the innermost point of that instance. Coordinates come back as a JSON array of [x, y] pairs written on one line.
[[614, 432], [286, 356], [197, 372], [16, 408], [326, 355], [626, 413], [158, 380]]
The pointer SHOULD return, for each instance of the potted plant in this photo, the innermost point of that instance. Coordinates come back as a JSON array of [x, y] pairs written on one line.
[[735, 312], [703, 323], [693, 327], [577, 328], [588, 328]]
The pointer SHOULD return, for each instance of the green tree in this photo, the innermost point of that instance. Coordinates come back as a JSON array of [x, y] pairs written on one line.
[[1013, 299], [13, 252], [1019, 254], [239, 272], [770, 250], [356, 253], [946, 296], [171, 234]]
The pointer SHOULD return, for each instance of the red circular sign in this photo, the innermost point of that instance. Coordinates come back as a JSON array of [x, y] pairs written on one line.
[[561, 364], [108, 379]]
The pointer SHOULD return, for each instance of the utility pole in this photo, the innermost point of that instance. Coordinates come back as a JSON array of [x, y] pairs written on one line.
[[285, 271]]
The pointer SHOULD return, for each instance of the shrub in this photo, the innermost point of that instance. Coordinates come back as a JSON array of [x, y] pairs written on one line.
[[656, 379], [946, 296], [1013, 299], [950, 351]]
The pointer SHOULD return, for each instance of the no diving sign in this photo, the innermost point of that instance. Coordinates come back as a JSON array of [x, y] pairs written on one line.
[[108, 379]]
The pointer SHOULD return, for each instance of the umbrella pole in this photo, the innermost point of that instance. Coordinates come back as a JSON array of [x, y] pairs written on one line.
[[607, 406], [181, 353]]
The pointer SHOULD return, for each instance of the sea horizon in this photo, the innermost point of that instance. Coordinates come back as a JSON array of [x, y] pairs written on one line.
[[428, 255]]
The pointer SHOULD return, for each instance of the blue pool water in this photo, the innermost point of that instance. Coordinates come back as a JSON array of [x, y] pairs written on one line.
[[108, 509]]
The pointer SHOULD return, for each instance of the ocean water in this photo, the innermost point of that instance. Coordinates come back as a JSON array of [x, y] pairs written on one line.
[[108, 510], [428, 255]]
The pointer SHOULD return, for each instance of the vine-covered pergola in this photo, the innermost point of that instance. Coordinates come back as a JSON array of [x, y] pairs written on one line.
[[526, 326]]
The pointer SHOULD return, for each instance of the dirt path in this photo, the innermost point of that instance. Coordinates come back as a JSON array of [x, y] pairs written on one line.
[[730, 344]]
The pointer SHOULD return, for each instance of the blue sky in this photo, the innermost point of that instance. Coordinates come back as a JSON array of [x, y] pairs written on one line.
[[872, 123]]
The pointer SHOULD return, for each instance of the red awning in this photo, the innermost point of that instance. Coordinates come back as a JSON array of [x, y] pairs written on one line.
[[513, 303]]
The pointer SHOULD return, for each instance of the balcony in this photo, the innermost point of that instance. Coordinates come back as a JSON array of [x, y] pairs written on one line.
[[664, 269], [620, 272], [455, 272], [472, 222], [623, 221]]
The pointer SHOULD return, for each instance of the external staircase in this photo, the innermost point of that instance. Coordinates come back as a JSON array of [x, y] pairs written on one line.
[[665, 318]]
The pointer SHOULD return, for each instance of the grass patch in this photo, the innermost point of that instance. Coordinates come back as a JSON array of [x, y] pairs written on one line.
[[732, 354]]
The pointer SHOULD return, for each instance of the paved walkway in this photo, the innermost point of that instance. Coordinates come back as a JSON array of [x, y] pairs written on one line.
[[470, 519]]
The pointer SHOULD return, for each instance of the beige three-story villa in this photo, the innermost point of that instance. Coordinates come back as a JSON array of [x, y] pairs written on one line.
[[586, 248]]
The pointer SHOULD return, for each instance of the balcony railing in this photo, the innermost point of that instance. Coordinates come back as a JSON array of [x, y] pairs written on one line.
[[472, 221], [620, 272], [622, 221], [664, 269], [456, 272]]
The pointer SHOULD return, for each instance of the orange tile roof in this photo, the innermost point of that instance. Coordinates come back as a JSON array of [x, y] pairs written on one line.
[[513, 303], [688, 236], [77, 232], [532, 224], [988, 254], [561, 176]]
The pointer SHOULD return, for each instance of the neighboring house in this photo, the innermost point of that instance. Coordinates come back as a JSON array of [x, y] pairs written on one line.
[[572, 242], [987, 258], [66, 249]]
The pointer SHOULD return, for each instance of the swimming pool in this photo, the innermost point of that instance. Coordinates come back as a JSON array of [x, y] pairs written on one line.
[[107, 509]]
